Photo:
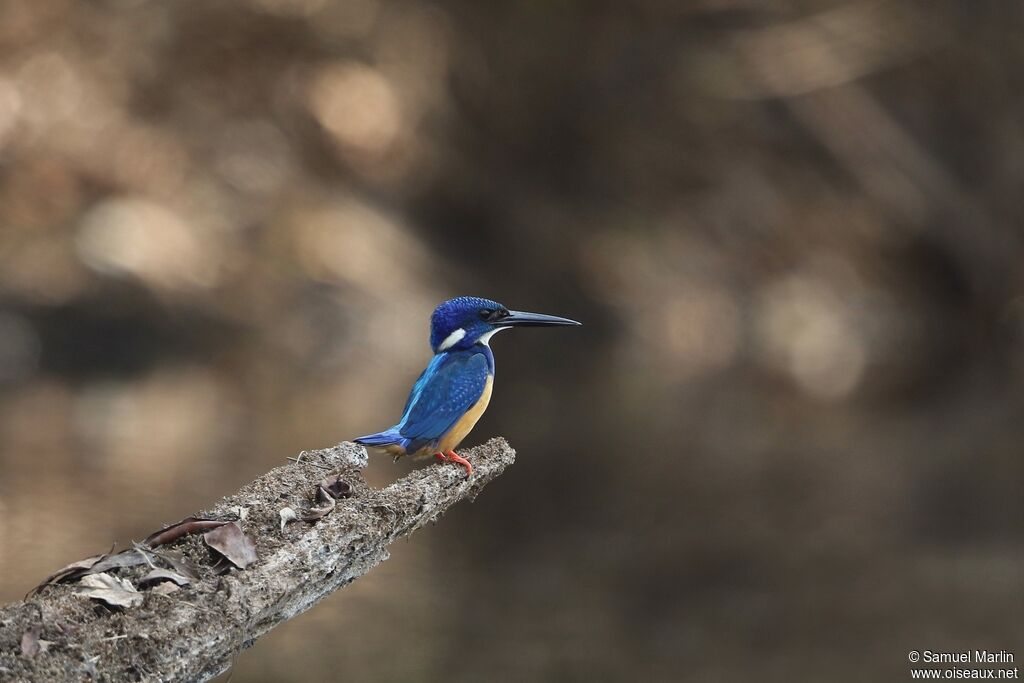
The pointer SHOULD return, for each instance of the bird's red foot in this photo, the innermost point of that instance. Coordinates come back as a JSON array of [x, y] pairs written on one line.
[[452, 456]]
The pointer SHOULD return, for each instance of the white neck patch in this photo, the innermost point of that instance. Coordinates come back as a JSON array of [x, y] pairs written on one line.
[[452, 339], [485, 338]]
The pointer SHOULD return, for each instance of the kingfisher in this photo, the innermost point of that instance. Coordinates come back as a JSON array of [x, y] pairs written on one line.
[[454, 390]]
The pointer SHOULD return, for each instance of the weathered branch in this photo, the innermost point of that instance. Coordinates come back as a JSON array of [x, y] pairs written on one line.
[[194, 633]]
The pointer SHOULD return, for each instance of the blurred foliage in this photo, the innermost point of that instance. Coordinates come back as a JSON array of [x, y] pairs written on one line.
[[785, 445]]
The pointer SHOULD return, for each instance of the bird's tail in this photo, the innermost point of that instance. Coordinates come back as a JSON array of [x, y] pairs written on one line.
[[389, 437]]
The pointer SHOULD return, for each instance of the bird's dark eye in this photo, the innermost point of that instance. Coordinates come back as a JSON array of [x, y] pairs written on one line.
[[493, 315]]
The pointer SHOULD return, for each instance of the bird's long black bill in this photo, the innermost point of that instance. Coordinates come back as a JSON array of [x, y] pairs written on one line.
[[524, 319]]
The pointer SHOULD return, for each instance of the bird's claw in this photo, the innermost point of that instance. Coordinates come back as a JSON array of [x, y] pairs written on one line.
[[452, 456]]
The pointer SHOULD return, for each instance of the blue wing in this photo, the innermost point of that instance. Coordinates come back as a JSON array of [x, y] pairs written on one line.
[[432, 368], [441, 396]]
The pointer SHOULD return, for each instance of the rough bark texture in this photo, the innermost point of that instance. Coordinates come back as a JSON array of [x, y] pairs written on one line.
[[193, 634]]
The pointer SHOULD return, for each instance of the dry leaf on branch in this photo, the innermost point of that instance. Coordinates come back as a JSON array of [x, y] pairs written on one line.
[[125, 558], [337, 487], [160, 575], [177, 562], [68, 573], [331, 489], [98, 564], [230, 541], [326, 504], [110, 589], [189, 525], [91, 565]]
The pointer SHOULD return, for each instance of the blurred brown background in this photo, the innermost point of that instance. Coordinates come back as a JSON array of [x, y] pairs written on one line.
[[785, 446]]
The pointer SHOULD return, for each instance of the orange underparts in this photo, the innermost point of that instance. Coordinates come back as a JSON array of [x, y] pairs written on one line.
[[452, 456]]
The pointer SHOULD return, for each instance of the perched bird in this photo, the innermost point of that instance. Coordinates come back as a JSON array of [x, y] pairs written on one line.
[[453, 392]]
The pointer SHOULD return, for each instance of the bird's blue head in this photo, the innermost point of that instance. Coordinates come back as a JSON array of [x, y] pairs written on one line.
[[459, 323]]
